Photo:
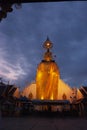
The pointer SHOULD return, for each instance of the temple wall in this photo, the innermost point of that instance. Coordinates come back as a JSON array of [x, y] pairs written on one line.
[[30, 90], [79, 94], [64, 91], [16, 93]]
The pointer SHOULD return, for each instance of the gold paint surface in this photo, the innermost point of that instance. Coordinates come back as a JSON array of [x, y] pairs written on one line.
[[47, 78]]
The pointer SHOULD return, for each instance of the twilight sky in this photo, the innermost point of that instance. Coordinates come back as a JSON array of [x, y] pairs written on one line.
[[24, 30]]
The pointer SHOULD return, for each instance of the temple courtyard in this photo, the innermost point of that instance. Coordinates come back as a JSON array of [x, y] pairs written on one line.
[[42, 123]]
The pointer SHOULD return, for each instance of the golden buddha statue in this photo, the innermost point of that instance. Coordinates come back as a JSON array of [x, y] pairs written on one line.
[[47, 75]]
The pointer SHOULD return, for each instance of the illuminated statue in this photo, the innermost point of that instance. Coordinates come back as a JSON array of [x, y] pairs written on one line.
[[47, 76]]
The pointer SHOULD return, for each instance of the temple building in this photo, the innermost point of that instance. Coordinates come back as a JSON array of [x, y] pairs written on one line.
[[48, 84]]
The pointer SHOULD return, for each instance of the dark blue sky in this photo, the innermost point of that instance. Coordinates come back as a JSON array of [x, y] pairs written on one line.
[[23, 32]]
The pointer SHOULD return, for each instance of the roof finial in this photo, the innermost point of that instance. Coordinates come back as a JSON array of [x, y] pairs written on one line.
[[47, 44]]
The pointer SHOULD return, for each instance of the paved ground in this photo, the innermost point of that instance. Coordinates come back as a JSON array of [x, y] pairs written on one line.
[[42, 123]]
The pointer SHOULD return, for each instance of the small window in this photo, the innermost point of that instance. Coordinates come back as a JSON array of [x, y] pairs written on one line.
[[64, 96], [30, 95]]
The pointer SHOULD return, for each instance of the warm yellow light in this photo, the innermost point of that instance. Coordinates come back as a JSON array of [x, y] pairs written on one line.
[[48, 44], [51, 97], [42, 98]]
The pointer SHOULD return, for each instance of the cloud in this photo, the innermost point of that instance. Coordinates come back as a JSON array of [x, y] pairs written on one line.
[[10, 70], [23, 32]]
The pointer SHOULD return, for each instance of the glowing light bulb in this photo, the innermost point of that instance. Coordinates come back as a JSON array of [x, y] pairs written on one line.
[[51, 97], [42, 98]]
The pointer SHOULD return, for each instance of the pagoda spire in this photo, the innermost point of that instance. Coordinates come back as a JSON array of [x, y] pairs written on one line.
[[48, 54]]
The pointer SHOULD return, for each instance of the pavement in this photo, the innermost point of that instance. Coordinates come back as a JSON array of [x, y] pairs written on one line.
[[42, 123]]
